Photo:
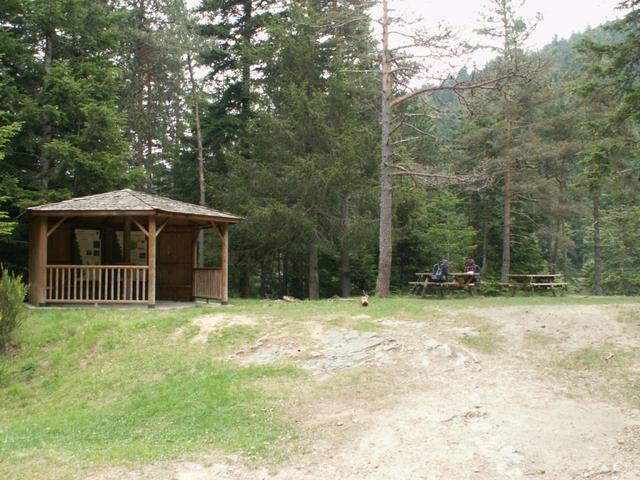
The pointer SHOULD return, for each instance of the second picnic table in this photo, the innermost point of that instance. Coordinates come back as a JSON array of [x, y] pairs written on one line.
[[524, 281], [455, 281]]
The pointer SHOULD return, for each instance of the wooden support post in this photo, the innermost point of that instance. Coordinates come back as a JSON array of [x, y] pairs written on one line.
[[38, 261], [196, 233], [224, 236], [126, 241], [151, 259], [194, 262]]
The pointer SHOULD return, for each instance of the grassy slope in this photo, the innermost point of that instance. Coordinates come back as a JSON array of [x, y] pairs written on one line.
[[103, 386], [111, 385]]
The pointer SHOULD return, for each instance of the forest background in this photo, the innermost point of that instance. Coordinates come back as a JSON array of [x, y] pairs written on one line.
[[272, 110]]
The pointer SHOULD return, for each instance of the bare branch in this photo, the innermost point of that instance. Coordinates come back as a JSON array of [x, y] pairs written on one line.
[[486, 84], [405, 140]]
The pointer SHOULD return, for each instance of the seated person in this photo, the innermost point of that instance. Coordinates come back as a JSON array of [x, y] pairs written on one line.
[[471, 267]]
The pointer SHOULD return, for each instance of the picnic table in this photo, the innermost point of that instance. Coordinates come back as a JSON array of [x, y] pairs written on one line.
[[531, 282], [455, 281]]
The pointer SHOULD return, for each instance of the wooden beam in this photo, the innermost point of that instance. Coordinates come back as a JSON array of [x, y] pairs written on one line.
[[38, 261], [55, 227], [161, 227], [195, 249], [131, 213], [218, 228], [151, 259], [203, 218], [224, 235], [194, 262], [142, 229]]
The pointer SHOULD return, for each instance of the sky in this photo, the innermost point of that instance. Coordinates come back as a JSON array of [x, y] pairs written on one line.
[[559, 18]]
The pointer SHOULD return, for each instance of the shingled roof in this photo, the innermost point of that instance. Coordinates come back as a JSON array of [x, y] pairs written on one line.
[[131, 201]]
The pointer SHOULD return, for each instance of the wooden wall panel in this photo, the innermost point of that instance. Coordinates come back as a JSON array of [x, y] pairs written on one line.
[[59, 246], [175, 265]]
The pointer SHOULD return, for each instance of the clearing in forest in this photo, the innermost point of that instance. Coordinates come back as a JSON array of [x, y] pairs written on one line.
[[472, 389]]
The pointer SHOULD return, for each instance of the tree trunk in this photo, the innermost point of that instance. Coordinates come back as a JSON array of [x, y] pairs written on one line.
[[245, 282], [563, 251], [597, 246], [195, 97], [45, 163], [555, 248], [345, 267], [506, 231], [263, 279], [314, 279], [245, 100], [139, 66], [485, 246], [563, 245], [386, 181]]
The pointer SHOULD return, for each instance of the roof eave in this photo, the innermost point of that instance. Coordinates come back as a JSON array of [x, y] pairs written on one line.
[[128, 213]]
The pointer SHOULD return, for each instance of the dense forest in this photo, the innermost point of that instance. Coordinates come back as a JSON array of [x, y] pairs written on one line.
[[353, 166]]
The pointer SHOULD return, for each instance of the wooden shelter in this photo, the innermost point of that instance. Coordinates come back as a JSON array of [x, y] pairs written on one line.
[[123, 247]]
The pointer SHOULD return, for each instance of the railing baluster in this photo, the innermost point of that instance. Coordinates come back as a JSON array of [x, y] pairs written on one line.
[[109, 283]]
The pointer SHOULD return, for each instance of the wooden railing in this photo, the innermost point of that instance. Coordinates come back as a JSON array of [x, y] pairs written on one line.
[[207, 283], [97, 283]]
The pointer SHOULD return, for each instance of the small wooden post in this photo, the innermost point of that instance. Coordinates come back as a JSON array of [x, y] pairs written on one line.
[[224, 236], [151, 259], [38, 261]]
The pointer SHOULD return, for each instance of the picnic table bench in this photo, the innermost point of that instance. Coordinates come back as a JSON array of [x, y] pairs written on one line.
[[531, 282], [456, 281]]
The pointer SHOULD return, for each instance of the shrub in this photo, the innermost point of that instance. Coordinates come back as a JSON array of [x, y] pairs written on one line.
[[12, 309], [490, 287]]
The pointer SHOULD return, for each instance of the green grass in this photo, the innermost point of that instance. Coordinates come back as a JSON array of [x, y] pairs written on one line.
[[600, 357], [606, 369], [541, 339], [488, 339], [366, 326], [406, 306], [629, 317], [109, 385], [96, 386]]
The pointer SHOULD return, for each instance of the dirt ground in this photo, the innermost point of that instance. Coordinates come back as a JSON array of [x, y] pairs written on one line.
[[548, 392]]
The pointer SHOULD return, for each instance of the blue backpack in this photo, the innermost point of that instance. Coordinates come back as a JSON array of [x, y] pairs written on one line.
[[440, 271]]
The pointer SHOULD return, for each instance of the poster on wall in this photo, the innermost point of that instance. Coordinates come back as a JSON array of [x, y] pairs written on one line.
[[89, 246], [137, 246]]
